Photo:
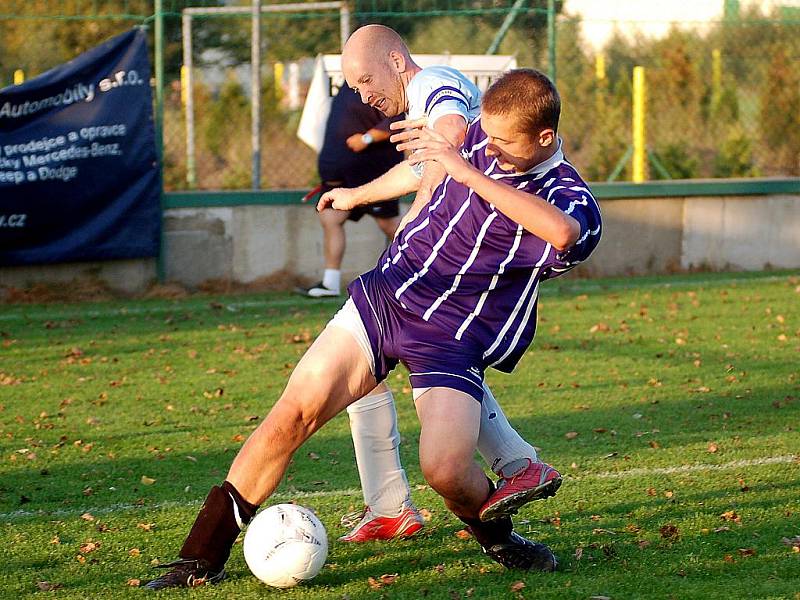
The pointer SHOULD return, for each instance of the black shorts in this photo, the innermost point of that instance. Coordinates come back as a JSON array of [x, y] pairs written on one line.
[[378, 210]]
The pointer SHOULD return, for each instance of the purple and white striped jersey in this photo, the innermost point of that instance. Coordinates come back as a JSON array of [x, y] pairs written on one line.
[[475, 273]]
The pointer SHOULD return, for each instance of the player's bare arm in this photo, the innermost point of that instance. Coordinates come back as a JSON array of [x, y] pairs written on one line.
[[453, 128], [535, 214], [396, 182]]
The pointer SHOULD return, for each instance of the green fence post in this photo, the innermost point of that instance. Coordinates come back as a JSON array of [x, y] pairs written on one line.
[[159, 123], [551, 39]]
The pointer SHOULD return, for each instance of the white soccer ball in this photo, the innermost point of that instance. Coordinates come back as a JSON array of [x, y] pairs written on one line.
[[285, 544]]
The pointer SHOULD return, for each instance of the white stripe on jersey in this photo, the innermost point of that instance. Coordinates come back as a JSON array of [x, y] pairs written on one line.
[[518, 306], [594, 200], [372, 308], [477, 310], [429, 261], [393, 260], [587, 234], [464, 267], [433, 206], [520, 329], [469, 153], [555, 189], [425, 222], [573, 203]]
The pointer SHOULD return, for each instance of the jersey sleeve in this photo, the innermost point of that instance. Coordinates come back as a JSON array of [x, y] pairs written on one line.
[[446, 100], [435, 93], [578, 202]]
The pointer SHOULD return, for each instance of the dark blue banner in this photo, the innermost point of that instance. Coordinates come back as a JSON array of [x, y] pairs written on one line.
[[79, 177]]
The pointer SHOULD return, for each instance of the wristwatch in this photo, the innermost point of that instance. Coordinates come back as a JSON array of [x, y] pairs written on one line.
[[367, 139]]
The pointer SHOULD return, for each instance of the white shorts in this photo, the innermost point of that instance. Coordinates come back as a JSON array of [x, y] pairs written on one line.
[[349, 319]]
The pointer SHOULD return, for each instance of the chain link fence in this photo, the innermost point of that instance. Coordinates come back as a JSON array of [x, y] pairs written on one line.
[[722, 90]]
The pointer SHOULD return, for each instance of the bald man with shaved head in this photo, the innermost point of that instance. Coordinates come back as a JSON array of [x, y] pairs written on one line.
[[377, 64]]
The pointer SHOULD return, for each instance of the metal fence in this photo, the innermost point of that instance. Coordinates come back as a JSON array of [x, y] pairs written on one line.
[[720, 94]]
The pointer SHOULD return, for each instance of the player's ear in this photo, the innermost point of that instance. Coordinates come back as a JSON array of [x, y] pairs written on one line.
[[547, 137], [398, 61]]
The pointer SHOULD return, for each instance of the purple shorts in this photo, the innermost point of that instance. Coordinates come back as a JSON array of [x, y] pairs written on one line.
[[433, 358]]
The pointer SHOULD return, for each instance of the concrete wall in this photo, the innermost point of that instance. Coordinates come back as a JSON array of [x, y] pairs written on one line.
[[641, 236]]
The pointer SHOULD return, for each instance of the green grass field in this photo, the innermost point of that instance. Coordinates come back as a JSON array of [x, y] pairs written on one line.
[[671, 405]]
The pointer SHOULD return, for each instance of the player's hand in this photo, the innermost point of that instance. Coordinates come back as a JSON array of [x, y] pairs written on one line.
[[355, 143], [338, 199], [404, 125], [426, 144]]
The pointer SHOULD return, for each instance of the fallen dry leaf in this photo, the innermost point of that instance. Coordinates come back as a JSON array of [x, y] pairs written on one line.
[[147, 480], [747, 551], [134, 582], [145, 526], [730, 515], [463, 534], [90, 546], [793, 543], [48, 586], [571, 435], [388, 579], [134, 552], [669, 532], [712, 447], [517, 586], [87, 517]]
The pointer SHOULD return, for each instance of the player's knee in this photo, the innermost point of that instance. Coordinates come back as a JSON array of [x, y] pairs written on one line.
[[300, 412], [446, 476], [332, 219]]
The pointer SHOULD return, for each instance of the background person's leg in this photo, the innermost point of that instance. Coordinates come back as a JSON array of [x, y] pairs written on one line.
[[388, 225], [334, 242]]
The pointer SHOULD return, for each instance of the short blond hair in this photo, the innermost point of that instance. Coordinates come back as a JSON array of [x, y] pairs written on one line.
[[529, 96]]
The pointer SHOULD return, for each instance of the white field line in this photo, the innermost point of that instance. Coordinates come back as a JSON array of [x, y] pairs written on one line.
[[232, 307], [577, 287], [736, 464], [288, 496]]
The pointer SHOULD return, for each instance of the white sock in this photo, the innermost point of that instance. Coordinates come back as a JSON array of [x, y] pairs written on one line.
[[332, 279], [499, 444], [373, 425]]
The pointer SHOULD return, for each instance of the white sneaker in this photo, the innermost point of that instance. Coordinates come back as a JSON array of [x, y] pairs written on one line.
[[318, 290]]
